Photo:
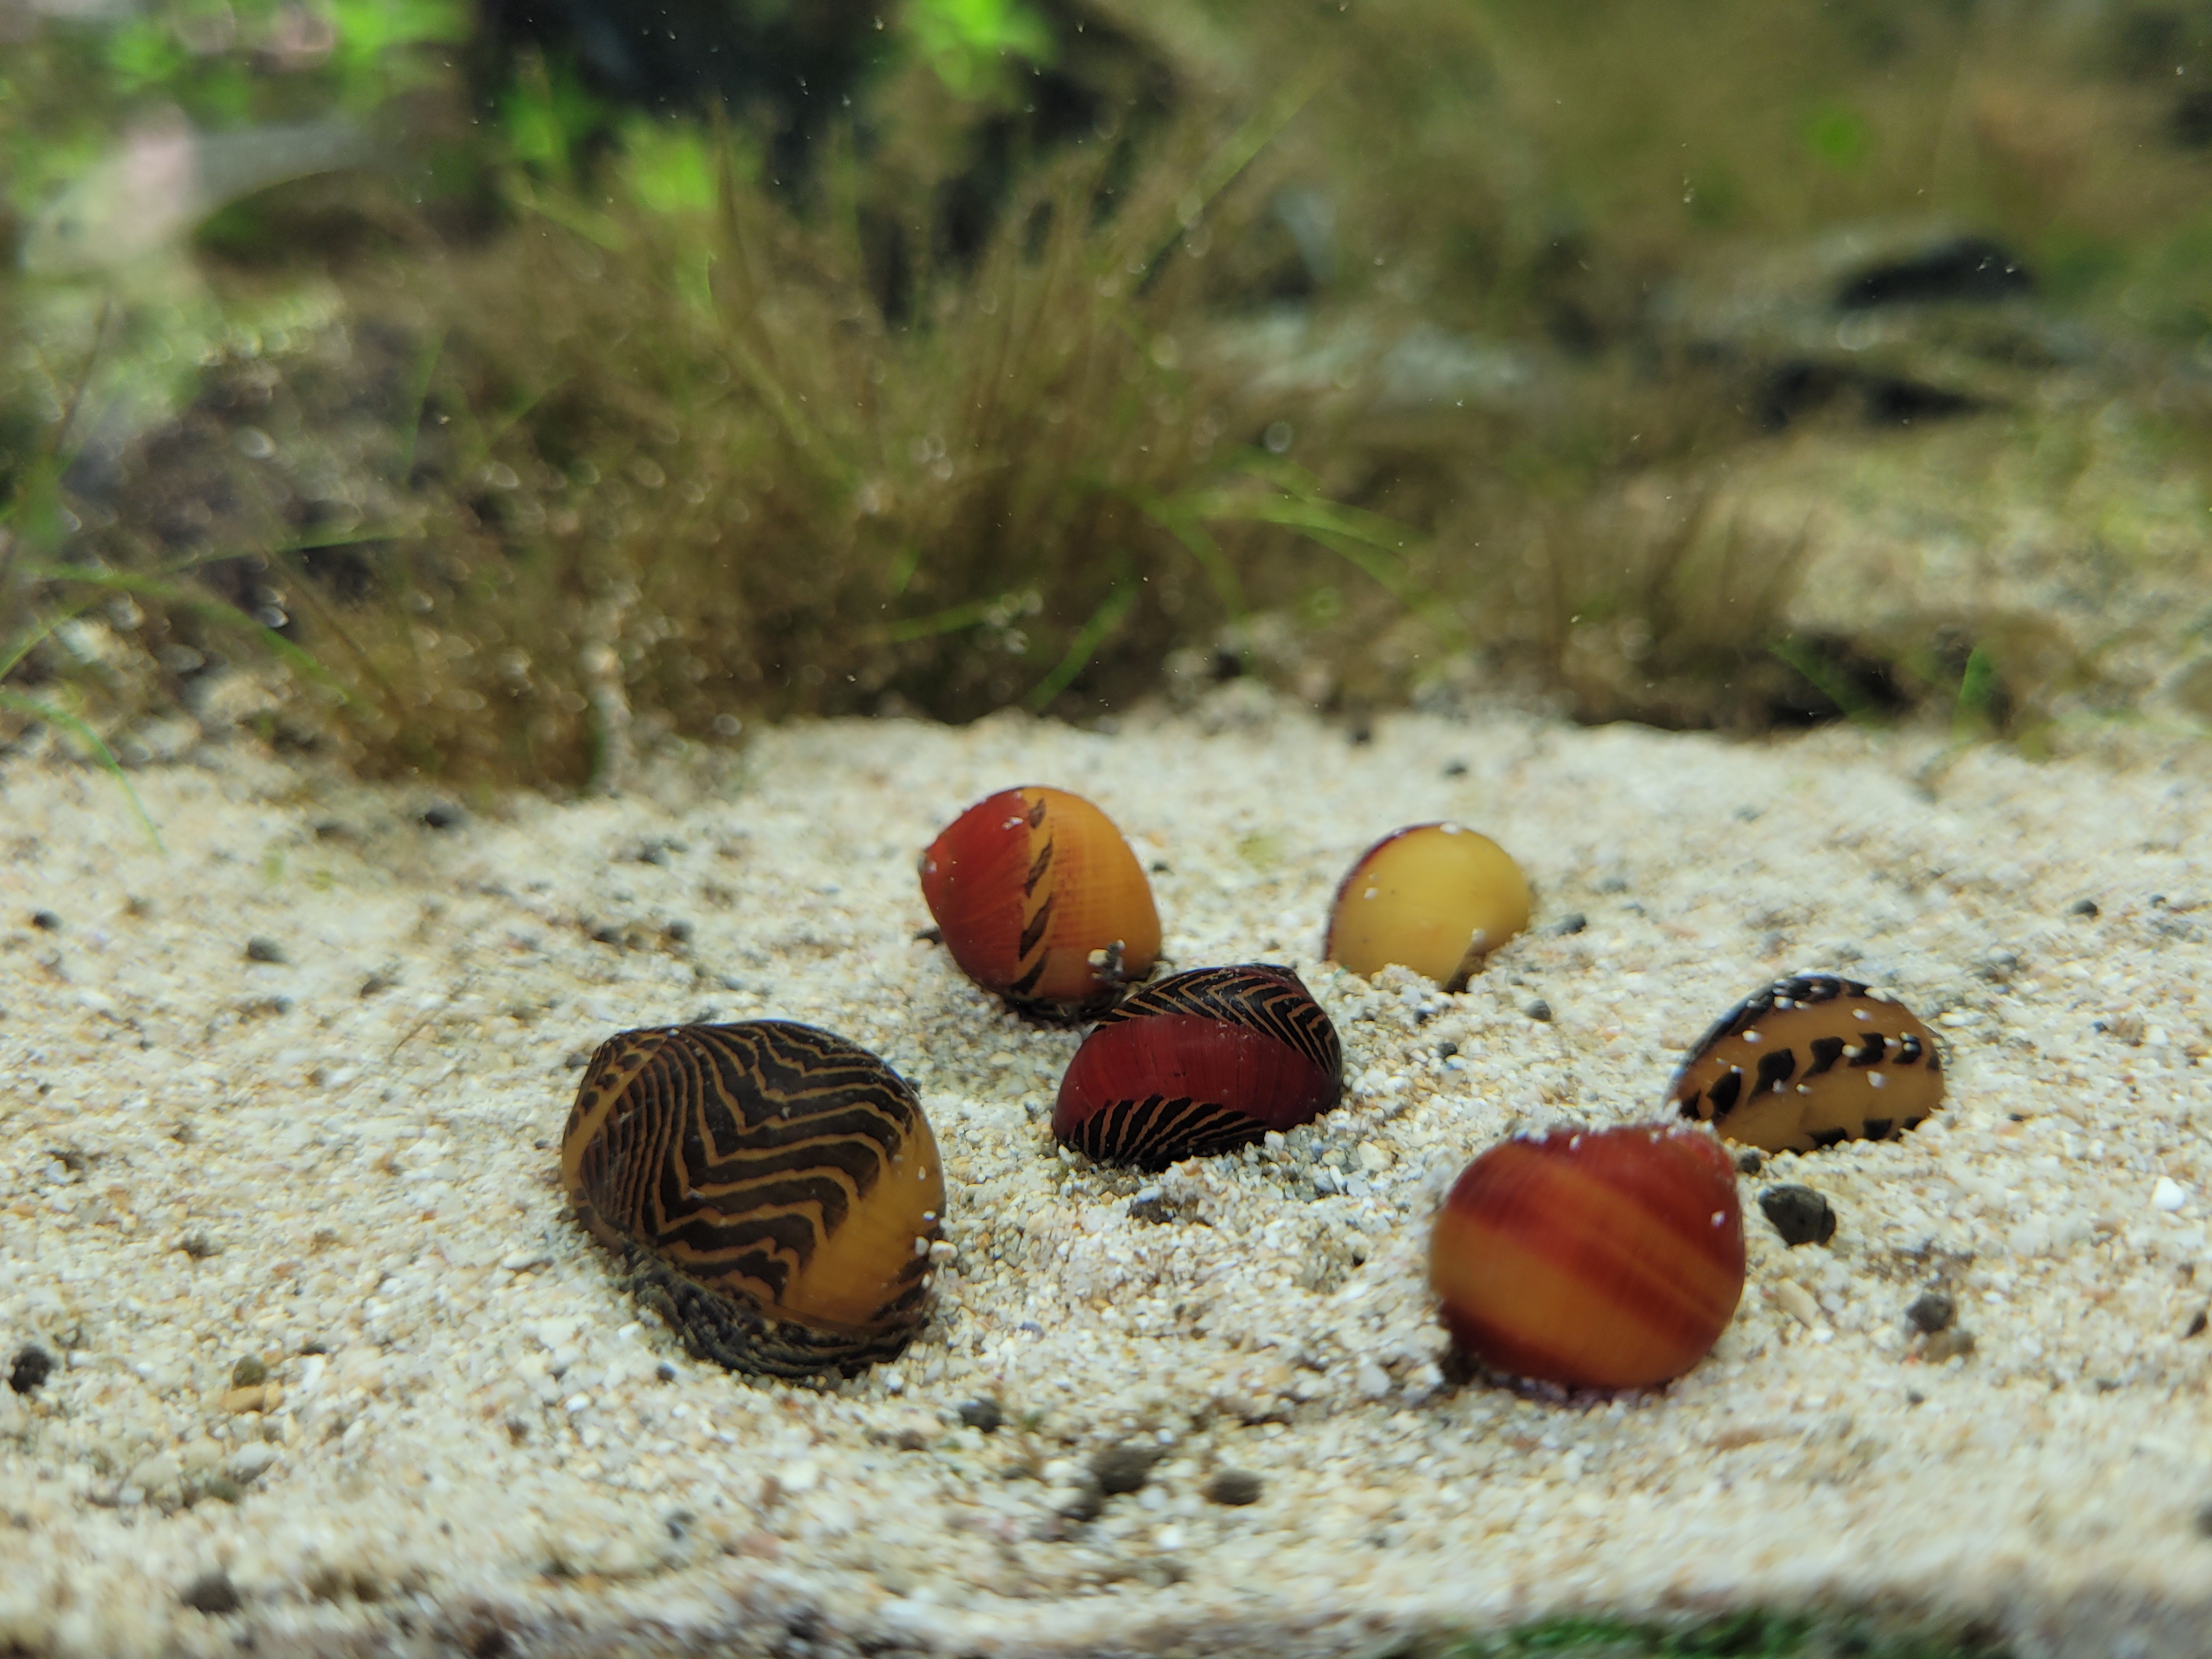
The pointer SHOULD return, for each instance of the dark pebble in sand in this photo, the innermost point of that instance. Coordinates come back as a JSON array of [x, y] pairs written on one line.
[[985, 1415], [211, 1592], [441, 815], [46, 921], [1750, 1163], [264, 949], [1573, 922], [1125, 1467], [1801, 1215], [248, 1372], [1931, 1311], [31, 1367], [1234, 1488], [2085, 908], [1537, 1010]]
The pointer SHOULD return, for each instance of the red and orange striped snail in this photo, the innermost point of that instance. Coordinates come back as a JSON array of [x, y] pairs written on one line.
[[1592, 1258], [1040, 900]]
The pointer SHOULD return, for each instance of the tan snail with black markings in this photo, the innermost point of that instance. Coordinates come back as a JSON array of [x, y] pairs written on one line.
[[774, 1189], [1810, 1062]]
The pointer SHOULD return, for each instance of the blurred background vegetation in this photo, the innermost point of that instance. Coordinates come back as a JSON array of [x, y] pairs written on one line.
[[505, 391]]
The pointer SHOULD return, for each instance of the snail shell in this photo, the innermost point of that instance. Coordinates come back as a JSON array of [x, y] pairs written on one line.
[[1040, 900], [1810, 1062], [1592, 1258], [1200, 1062], [1434, 898], [774, 1188]]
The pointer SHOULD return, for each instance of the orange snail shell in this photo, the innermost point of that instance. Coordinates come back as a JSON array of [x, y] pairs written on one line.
[[1434, 898], [1040, 900], [1592, 1258]]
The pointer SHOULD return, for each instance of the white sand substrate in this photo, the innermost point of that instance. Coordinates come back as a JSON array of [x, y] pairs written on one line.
[[468, 1439]]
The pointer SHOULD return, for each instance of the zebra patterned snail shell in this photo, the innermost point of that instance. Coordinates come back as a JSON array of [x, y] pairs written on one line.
[[1204, 1061], [1040, 900], [1435, 898], [1592, 1258], [774, 1189], [1810, 1062]]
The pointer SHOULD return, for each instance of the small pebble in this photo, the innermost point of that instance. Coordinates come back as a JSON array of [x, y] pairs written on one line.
[[1931, 1311], [264, 949], [1447, 1049], [1750, 1163], [32, 1366], [46, 921], [1151, 1205], [1573, 922], [2167, 1195], [1126, 1467], [1455, 768], [1537, 1009], [441, 815], [985, 1415], [211, 1592], [1233, 1487], [1801, 1215], [2085, 908], [248, 1373]]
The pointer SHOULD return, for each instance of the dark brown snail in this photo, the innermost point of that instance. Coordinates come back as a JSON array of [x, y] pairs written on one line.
[[774, 1188]]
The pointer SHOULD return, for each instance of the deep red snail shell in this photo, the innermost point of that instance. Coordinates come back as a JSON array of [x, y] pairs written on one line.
[[1434, 898], [1040, 899], [1810, 1062], [1592, 1258], [1203, 1061]]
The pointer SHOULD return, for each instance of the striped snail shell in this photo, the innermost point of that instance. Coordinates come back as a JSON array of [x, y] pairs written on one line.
[[1434, 898], [1592, 1258], [1810, 1062], [775, 1190], [1040, 900], [1204, 1061]]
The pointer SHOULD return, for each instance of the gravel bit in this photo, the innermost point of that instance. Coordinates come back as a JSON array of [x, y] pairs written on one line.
[[264, 949], [1151, 1205], [248, 1373], [46, 921], [1126, 1467], [2085, 908], [31, 1367], [1573, 922], [442, 815], [1750, 1163], [1234, 1488], [1931, 1311], [1801, 1215], [983, 1414], [1537, 1009], [211, 1592]]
